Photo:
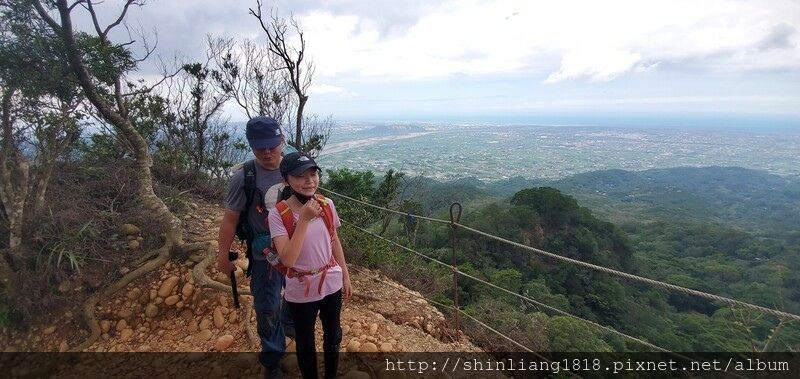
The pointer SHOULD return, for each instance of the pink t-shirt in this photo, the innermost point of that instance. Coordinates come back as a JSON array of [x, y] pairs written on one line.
[[316, 252]]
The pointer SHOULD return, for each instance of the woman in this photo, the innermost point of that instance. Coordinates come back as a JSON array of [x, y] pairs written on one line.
[[317, 278]]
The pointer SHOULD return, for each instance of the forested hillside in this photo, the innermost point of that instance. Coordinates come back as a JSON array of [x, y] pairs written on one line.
[[725, 231], [756, 202]]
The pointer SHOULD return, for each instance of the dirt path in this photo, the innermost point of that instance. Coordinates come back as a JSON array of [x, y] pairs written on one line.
[[166, 312]]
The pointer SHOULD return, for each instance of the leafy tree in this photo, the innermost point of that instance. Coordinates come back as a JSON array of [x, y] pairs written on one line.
[[193, 136], [359, 185], [40, 109], [724, 272], [509, 279], [567, 334], [555, 208], [388, 195], [683, 301], [527, 329], [539, 291], [103, 87]]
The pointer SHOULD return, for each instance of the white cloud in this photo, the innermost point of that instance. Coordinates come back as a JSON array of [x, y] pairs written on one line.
[[420, 40], [599, 65], [365, 50], [319, 89], [570, 39]]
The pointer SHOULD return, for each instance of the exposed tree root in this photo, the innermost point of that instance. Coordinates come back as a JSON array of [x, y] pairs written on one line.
[[90, 307], [189, 248], [202, 280], [252, 338], [145, 258]]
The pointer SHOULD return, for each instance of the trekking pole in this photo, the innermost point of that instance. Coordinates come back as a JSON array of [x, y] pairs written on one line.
[[232, 255]]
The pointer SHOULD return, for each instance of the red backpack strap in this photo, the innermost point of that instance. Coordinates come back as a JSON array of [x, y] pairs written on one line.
[[287, 216], [327, 213]]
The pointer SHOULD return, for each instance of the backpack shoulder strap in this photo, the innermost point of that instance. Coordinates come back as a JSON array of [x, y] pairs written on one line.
[[244, 231], [249, 183], [327, 213], [286, 216]]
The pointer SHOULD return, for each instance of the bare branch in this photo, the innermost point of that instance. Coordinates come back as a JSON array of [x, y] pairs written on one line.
[[46, 17], [75, 4], [252, 75], [292, 59], [122, 14], [95, 21]]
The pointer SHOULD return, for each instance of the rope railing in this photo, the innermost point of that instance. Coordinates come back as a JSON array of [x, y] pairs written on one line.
[[780, 314], [523, 298], [455, 224], [774, 312], [507, 338], [385, 209]]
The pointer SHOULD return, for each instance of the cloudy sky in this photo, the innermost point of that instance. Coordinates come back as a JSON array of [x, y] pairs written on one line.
[[523, 61]]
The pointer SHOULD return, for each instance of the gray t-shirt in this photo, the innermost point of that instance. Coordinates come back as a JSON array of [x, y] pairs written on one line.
[[237, 199]]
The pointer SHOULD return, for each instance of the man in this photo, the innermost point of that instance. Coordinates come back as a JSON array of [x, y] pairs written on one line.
[[266, 139]]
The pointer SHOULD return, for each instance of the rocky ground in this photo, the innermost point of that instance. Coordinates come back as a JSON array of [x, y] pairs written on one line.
[[171, 311]]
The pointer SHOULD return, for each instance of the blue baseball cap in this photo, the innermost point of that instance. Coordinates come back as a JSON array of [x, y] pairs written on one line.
[[263, 132]]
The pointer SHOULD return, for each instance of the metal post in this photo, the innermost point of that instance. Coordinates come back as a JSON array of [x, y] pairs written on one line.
[[454, 219]]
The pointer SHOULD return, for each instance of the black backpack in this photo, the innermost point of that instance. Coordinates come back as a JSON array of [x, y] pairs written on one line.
[[243, 229]]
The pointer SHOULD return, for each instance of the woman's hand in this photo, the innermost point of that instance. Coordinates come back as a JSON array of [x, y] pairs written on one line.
[[310, 210], [347, 288]]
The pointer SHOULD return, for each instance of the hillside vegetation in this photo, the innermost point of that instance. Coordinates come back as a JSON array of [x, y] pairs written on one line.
[[725, 231]]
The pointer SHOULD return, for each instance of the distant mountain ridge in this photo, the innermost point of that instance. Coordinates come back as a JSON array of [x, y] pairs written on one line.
[[744, 198]]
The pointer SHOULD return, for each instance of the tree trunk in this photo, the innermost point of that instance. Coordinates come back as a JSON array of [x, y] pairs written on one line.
[[53, 148], [45, 172], [15, 189], [14, 170], [298, 136], [7, 275]]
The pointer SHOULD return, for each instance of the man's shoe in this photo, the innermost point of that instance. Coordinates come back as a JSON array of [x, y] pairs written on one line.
[[273, 373]]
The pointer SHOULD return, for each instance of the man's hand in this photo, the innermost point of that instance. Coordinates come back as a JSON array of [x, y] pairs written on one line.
[[227, 232], [224, 265]]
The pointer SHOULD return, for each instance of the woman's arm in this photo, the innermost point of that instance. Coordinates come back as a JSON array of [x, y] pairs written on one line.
[[288, 249], [338, 254]]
